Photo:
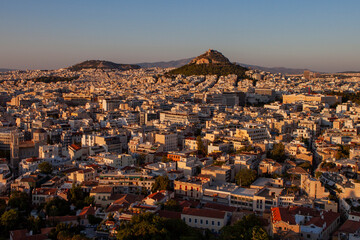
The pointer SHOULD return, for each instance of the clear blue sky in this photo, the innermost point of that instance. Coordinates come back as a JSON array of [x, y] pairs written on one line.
[[323, 35]]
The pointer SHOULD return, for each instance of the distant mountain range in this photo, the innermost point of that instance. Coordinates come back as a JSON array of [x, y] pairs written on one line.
[[99, 64], [6, 69], [172, 64], [350, 72], [169, 64], [282, 70]]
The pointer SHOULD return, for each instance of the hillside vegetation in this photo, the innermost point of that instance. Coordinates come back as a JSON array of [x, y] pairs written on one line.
[[209, 69]]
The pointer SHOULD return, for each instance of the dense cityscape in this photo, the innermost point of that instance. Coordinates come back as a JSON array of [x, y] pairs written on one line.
[[98, 152]]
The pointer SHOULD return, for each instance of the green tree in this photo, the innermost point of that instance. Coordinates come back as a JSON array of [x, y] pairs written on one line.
[[10, 220], [258, 233], [332, 197], [144, 226], [20, 200], [278, 152], [343, 152], [247, 228], [172, 205], [89, 200], [64, 231], [79, 237], [57, 207], [94, 220], [140, 159], [161, 183], [2, 206], [150, 226], [77, 196], [34, 224], [200, 145], [45, 167], [247, 148], [318, 174], [245, 177], [165, 159], [306, 165]]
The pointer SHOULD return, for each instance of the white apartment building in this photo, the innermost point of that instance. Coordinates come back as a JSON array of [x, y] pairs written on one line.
[[169, 140], [177, 117], [119, 160], [254, 133]]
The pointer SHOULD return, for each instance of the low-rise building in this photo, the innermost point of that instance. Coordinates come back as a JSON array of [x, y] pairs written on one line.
[[210, 219]]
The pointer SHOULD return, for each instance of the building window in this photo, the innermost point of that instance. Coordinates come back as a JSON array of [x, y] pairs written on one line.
[[207, 222], [195, 220], [213, 223], [201, 221], [218, 223], [189, 220]]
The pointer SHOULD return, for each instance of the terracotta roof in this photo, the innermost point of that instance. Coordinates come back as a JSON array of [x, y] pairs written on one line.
[[66, 218], [169, 214], [70, 170], [188, 203], [349, 227], [157, 196], [75, 147], [46, 230], [85, 170], [209, 213], [281, 214], [40, 130], [287, 214], [28, 179], [94, 166], [45, 191], [297, 170], [102, 189], [220, 207], [128, 199], [18, 234], [355, 214], [87, 211], [113, 208], [32, 159]]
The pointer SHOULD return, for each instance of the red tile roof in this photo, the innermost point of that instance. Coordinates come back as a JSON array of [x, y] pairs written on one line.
[[87, 211], [188, 203], [220, 207], [209, 213], [157, 196], [349, 227], [169, 214], [66, 218], [102, 189], [75, 147], [318, 218], [45, 191]]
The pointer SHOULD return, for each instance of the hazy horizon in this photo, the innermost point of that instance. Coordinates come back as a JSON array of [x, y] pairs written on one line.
[[318, 35]]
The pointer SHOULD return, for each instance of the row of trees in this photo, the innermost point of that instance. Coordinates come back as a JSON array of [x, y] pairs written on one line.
[[150, 226], [53, 79], [346, 96]]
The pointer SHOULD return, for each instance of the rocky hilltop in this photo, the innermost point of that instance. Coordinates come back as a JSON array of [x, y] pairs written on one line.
[[211, 57], [99, 64], [211, 62]]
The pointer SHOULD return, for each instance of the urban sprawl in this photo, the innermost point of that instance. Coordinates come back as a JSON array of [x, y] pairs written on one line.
[[107, 146]]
